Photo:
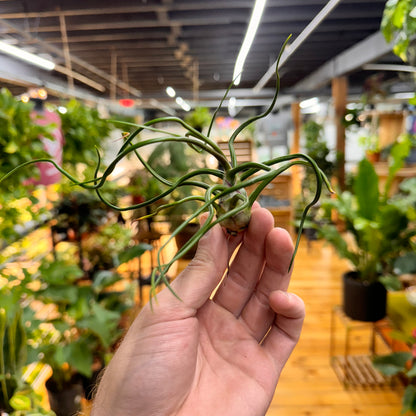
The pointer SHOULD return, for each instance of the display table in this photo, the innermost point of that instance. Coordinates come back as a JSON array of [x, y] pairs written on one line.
[[353, 344]]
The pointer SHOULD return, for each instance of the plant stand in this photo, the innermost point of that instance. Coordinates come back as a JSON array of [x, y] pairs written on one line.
[[352, 346]]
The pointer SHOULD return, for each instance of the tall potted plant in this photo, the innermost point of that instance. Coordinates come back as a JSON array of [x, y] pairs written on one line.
[[378, 229]]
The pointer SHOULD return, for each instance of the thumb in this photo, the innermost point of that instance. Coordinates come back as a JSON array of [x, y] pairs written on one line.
[[196, 283]]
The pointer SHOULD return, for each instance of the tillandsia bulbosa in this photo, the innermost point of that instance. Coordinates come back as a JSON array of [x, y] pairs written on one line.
[[226, 199]]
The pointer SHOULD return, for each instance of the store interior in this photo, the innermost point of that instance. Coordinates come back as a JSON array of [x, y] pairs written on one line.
[[120, 124]]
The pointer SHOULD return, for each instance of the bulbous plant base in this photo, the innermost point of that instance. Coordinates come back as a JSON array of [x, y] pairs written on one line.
[[66, 401], [363, 301]]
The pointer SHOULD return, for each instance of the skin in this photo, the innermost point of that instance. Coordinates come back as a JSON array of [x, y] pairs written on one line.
[[208, 354]]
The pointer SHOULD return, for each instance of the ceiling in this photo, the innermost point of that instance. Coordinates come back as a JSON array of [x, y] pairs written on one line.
[[135, 49]]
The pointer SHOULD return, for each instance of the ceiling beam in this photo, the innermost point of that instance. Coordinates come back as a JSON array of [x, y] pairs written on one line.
[[364, 52], [293, 46], [75, 60]]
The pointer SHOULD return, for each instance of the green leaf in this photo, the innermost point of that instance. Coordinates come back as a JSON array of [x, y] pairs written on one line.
[[59, 294], [102, 323], [133, 252], [392, 364], [391, 282], [409, 399], [104, 279], [406, 263], [59, 272], [78, 355], [366, 189], [332, 235], [412, 371]]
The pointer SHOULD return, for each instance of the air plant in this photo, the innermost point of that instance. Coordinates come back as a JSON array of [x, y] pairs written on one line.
[[226, 200]]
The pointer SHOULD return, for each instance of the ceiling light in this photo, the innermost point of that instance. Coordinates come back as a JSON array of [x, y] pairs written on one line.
[[404, 95], [248, 39], [309, 102], [231, 106], [181, 102], [26, 56], [170, 91]]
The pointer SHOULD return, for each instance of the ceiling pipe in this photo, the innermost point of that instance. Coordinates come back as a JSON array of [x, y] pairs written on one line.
[[291, 48]]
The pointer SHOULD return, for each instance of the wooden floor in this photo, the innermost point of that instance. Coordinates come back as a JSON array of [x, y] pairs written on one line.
[[309, 386]]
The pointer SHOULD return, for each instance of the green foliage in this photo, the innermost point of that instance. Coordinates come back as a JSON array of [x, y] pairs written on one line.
[[84, 131], [84, 324], [316, 146], [199, 118], [20, 138], [381, 229], [16, 394], [399, 25], [20, 141], [402, 364]]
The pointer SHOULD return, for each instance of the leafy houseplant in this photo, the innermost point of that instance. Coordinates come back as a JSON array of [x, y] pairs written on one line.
[[79, 333], [398, 25], [227, 202], [378, 229], [83, 130], [20, 141]]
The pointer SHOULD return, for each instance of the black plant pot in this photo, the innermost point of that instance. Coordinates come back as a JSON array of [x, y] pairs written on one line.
[[65, 401], [363, 301]]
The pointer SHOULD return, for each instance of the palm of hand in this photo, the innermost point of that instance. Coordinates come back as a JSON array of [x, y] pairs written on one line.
[[211, 357]]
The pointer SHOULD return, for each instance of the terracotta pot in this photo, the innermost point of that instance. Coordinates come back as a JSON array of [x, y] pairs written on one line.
[[363, 301]]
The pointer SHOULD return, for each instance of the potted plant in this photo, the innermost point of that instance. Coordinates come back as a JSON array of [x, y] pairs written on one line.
[[377, 230], [79, 332]]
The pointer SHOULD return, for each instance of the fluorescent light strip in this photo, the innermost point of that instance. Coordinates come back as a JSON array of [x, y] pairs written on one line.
[[248, 39], [26, 56]]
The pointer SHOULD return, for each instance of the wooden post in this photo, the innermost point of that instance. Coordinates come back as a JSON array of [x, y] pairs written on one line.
[[339, 97], [296, 170]]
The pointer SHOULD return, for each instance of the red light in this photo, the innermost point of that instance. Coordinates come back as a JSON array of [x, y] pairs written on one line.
[[126, 102]]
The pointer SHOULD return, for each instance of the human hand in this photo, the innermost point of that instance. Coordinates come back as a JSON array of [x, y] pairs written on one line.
[[211, 355]]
